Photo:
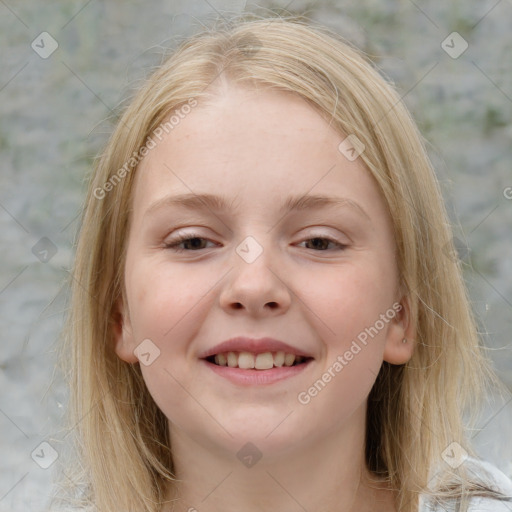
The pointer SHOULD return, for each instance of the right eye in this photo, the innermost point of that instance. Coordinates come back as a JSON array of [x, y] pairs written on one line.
[[191, 240]]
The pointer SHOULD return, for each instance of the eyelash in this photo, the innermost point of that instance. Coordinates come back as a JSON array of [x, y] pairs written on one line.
[[172, 245]]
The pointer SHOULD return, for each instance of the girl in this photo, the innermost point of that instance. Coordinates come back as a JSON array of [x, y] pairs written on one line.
[[263, 312]]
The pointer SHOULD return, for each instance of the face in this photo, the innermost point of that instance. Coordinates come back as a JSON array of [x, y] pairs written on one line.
[[316, 277]]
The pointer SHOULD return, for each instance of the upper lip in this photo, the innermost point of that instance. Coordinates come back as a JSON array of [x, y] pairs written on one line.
[[255, 346]]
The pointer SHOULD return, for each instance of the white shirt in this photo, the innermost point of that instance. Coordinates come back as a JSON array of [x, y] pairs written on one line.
[[491, 476]]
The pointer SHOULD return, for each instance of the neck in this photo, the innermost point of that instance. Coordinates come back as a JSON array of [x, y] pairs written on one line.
[[326, 474]]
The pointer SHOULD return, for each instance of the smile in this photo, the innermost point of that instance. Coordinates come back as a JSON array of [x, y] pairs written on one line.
[[248, 369], [263, 361]]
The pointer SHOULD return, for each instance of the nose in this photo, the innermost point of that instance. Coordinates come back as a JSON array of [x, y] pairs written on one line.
[[256, 286]]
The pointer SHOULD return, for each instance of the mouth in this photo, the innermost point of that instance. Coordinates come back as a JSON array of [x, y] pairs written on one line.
[[259, 362]]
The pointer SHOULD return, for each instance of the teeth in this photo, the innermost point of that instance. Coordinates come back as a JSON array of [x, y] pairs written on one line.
[[264, 361], [279, 359], [289, 359], [232, 359], [245, 360]]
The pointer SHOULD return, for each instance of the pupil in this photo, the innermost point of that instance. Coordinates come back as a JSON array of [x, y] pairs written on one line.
[[322, 242], [194, 242]]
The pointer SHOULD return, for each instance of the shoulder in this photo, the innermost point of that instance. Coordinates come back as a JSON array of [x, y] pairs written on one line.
[[89, 508], [487, 474], [482, 469], [73, 508]]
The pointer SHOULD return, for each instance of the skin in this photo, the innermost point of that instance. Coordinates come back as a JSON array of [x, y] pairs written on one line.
[[258, 147]]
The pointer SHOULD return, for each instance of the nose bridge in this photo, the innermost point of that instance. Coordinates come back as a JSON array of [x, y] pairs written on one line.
[[254, 283], [250, 250], [253, 261]]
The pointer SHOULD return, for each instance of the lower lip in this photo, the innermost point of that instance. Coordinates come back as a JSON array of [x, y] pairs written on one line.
[[253, 377]]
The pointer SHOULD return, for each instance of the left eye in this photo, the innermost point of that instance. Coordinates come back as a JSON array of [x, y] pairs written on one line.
[[322, 242], [194, 243]]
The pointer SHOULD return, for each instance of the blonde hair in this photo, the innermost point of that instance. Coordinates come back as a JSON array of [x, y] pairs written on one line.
[[415, 410]]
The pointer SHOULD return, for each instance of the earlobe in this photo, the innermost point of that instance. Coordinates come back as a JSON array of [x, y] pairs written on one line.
[[122, 333], [401, 335]]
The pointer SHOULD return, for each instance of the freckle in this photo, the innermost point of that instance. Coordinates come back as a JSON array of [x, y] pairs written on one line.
[[141, 295]]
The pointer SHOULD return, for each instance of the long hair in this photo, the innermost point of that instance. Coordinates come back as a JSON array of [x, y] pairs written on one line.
[[414, 410]]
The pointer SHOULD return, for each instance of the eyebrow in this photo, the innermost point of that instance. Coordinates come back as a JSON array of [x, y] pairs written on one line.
[[217, 203]]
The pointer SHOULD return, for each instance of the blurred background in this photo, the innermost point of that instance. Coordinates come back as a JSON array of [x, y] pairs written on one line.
[[66, 66]]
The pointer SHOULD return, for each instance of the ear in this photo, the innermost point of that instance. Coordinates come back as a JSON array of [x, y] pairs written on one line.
[[124, 343], [401, 327]]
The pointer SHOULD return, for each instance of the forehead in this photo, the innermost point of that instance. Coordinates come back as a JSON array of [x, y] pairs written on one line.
[[253, 145], [236, 122]]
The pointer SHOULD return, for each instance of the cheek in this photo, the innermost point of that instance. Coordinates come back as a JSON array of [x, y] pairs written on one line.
[[165, 300], [349, 299], [349, 303], [358, 311], [166, 305]]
